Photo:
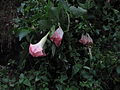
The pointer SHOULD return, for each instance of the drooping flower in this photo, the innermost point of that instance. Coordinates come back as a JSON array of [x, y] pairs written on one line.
[[57, 36], [83, 39], [90, 40], [108, 1], [36, 50], [86, 39]]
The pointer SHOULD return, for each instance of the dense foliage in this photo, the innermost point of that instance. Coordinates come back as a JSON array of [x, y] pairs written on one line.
[[69, 66]]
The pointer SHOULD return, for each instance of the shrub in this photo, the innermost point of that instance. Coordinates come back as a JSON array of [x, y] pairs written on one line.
[[67, 67]]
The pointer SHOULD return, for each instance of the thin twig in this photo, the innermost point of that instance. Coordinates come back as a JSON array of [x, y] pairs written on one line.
[[68, 26], [90, 53]]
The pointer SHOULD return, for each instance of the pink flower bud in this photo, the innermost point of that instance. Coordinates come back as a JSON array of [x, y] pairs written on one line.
[[57, 36], [86, 39]]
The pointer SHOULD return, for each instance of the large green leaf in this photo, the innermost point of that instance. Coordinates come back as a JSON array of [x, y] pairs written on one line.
[[64, 5], [44, 24], [22, 32], [54, 12], [77, 11]]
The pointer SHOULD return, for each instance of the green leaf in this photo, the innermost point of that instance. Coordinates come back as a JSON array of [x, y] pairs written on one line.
[[116, 11], [64, 4], [21, 78], [37, 78], [54, 12], [63, 78], [77, 11], [6, 80], [72, 88], [22, 32], [46, 88], [59, 87], [86, 67], [27, 82], [76, 68], [86, 75], [12, 84], [82, 10], [43, 24], [106, 27], [118, 69]]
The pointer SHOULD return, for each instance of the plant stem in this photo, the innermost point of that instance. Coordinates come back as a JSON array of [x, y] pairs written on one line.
[[90, 53], [68, 17]]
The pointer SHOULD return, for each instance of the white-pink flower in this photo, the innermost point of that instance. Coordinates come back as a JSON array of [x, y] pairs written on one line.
[[108, 1], [86, 39], [36, 50], [83, 39], [57, 36]]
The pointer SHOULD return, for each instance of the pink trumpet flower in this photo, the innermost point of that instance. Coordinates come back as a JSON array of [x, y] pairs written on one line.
[[57, 36], [86, 39], [36, 50]]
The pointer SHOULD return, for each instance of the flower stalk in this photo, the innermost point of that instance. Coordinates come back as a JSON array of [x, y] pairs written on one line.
[[90, 53]]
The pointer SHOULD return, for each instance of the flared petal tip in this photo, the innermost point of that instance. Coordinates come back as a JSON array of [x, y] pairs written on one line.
[[36, 50]]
